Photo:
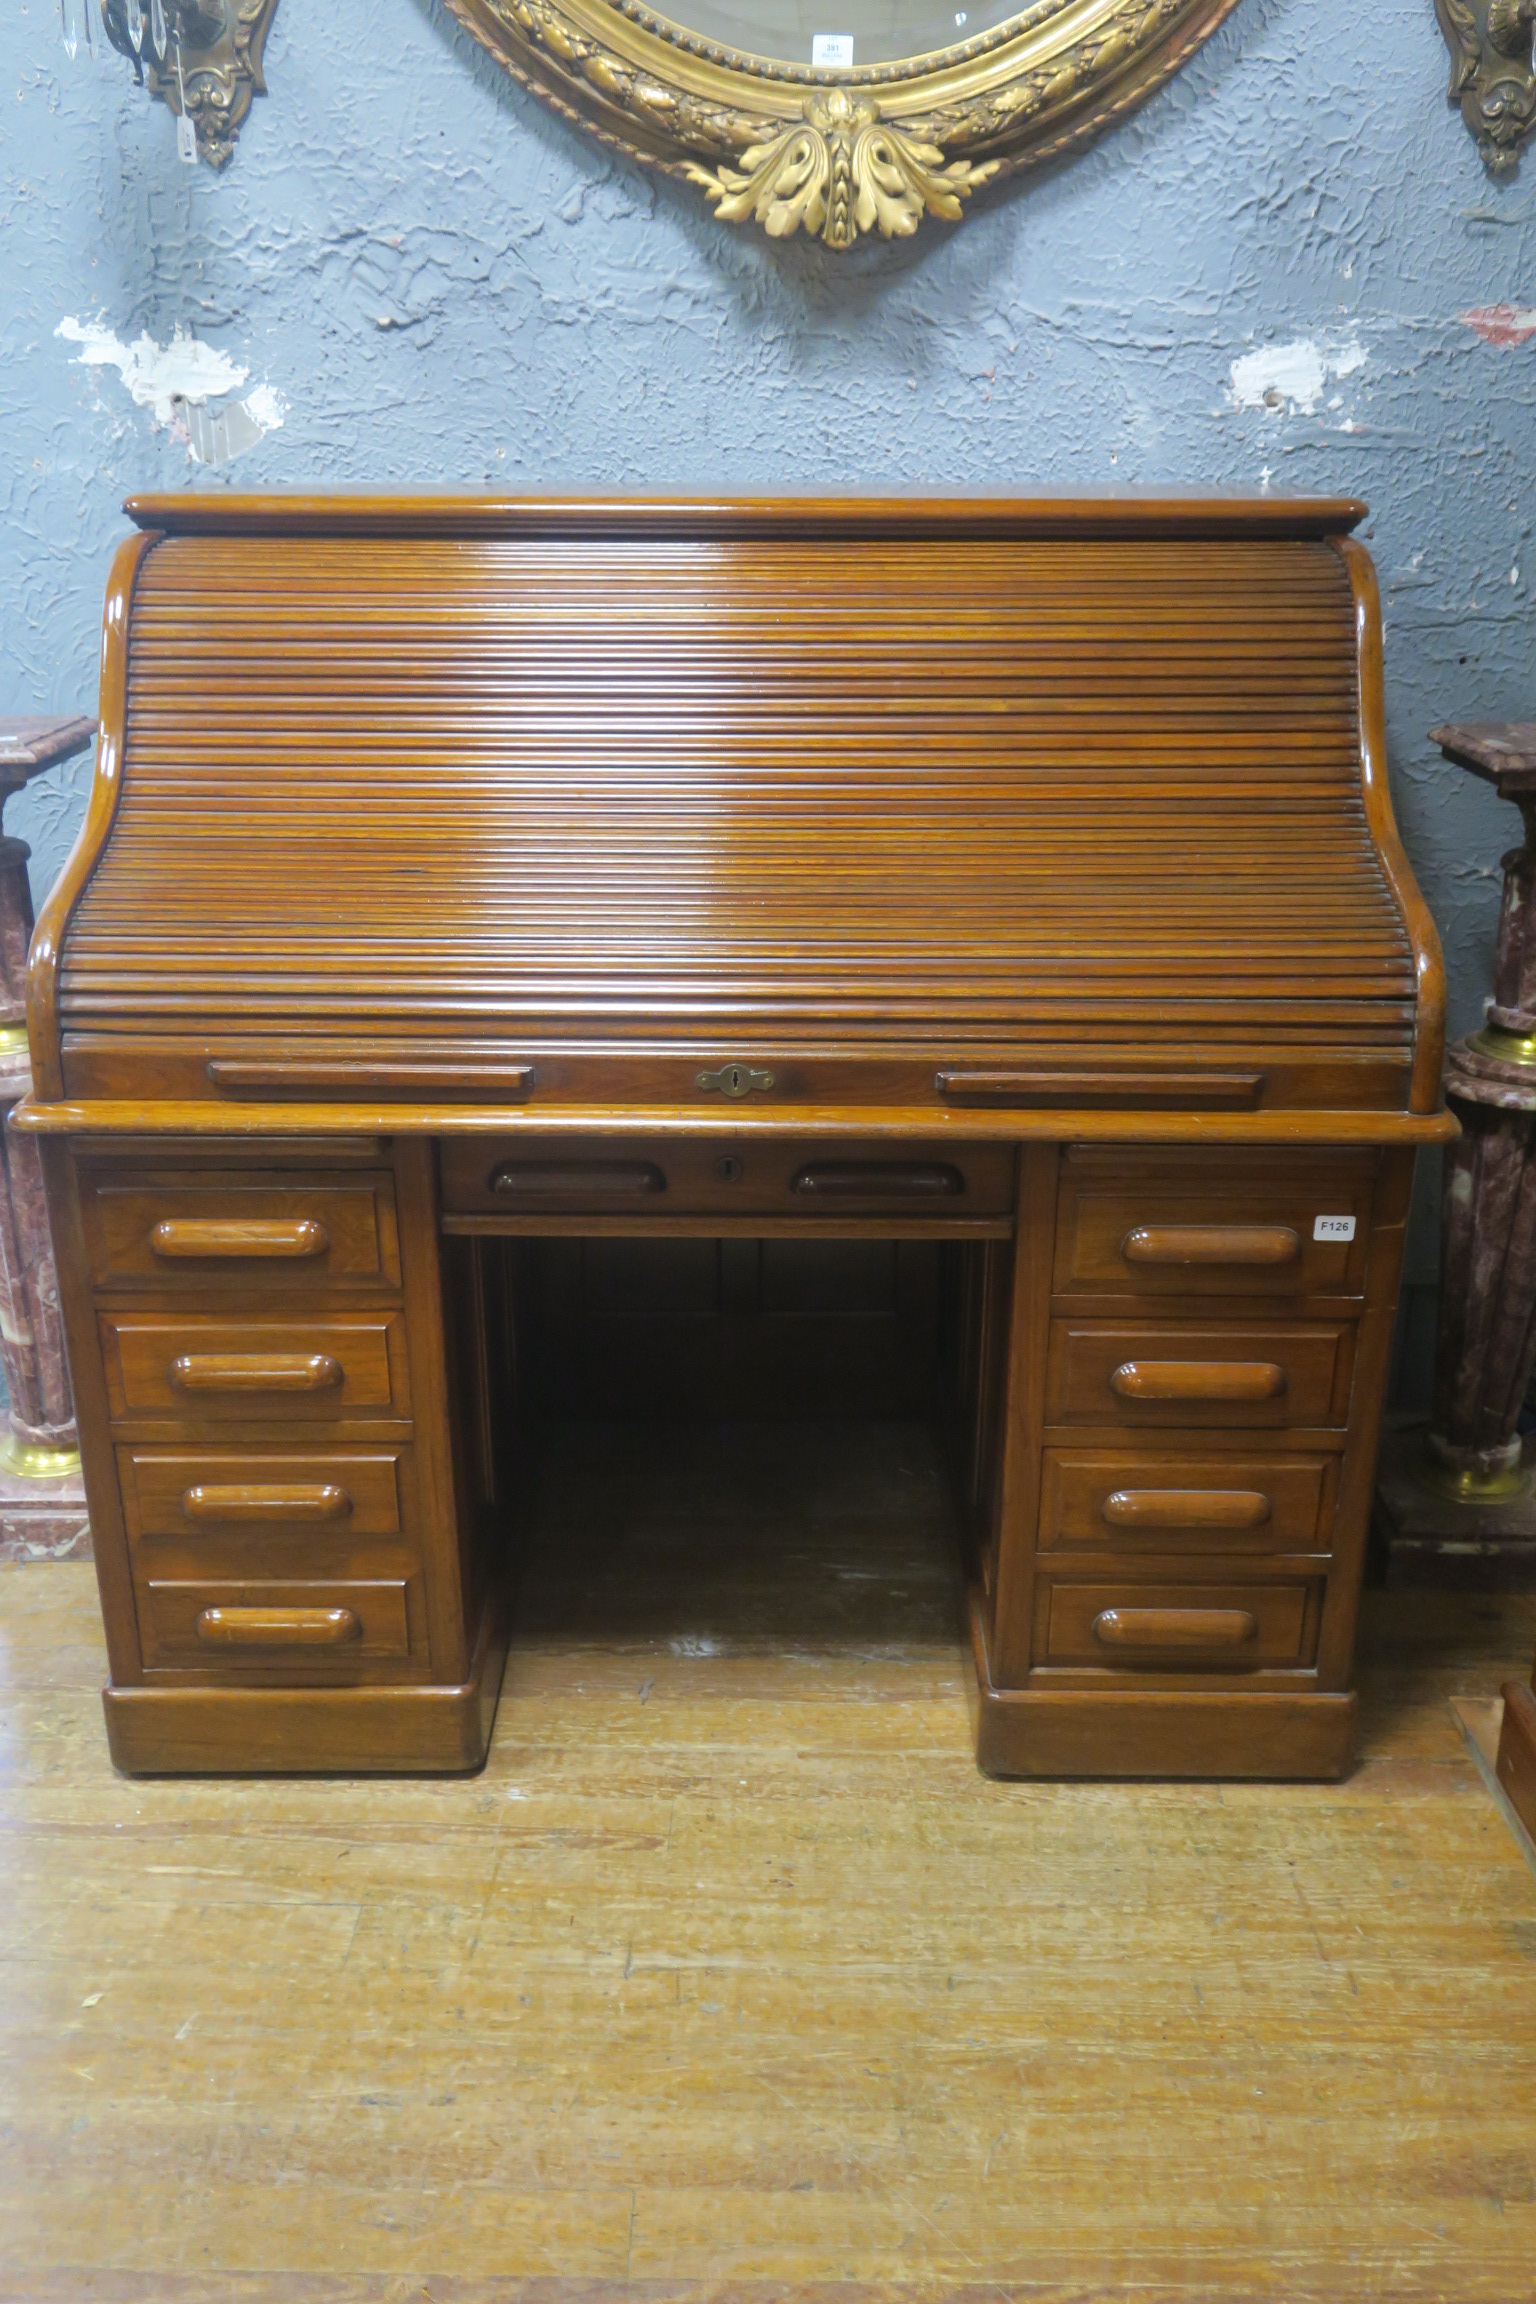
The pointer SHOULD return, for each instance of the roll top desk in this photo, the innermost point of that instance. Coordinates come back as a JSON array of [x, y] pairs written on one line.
[[1017, 878]]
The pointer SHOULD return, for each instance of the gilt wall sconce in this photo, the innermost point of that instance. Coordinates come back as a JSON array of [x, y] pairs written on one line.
[[201, 57], [1493, 77]]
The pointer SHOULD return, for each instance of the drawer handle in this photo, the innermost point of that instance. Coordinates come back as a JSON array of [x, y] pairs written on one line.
[[565, 1176], [1174, 1627], [256, 1372], [1212, 1244], [321, 1502], [1187, 1508], [278, 1627], [889, 1179], [1198, 1380], [241, 1236]]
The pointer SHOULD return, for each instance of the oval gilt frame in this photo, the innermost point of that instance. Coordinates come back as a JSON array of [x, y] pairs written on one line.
[[841, 153]]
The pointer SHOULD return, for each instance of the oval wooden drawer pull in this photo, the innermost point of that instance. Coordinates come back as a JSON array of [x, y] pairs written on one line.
[[278, 1627], [1187, 1508], [572, 1177], [323, 1501], [1174, 1627], [1212, 1244], [1236, 1380], [239, 1236], [885, 1179], [256, 1372]]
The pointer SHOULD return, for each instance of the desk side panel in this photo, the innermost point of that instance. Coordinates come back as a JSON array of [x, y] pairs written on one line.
[[43, 1026], [93, 1415], [1429, 963]]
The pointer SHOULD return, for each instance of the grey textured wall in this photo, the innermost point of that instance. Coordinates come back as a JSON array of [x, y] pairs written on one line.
[[437, 284]]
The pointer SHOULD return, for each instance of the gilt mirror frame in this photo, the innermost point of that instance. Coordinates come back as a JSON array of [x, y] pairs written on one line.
[[841, 152]]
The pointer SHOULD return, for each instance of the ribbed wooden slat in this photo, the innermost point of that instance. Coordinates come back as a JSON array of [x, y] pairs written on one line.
[[929, 789]]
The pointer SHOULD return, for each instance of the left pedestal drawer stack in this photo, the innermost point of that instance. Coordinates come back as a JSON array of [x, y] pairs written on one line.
[[270, 1307], [254, 1348]]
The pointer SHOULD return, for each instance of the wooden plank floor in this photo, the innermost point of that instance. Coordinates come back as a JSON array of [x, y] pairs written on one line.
[[730, 1979]]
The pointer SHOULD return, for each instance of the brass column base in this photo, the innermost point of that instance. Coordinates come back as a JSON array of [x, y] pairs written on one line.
[[1476, 1476], [26, 1461]]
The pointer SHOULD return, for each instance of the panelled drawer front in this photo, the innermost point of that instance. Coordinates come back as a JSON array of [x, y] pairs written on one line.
[[663, 1176], [1129, 1627], [199, 1496], [243, 1371], [1213, 1224], [187, 1233], [1204, 1375], [1114, 1501], [291, 1627]]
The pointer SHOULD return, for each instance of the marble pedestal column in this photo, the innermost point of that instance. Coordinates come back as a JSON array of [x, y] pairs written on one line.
[[1466, 1506], [42, 1497]]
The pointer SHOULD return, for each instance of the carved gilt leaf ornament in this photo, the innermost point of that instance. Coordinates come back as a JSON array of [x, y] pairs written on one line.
[[831, 147]]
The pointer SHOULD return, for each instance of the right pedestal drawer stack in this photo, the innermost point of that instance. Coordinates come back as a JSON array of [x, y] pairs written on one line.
[[1209, 1336]]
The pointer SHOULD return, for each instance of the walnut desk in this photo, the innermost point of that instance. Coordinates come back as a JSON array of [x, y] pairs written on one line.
[[1016, 878]]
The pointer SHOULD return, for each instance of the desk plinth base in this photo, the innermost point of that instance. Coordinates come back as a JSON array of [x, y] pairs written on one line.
[[1220, 1736], [400, 1731]]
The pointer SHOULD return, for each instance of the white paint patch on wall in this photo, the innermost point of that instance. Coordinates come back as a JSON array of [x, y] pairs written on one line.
[[266, 407], [1295, 374], [175, 382], [157, 375]]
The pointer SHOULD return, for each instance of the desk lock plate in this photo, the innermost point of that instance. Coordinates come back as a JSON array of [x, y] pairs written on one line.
[[735, 1080]]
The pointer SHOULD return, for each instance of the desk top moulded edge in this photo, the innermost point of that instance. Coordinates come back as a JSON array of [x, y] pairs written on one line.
[[1021, 518], [228, 1123]]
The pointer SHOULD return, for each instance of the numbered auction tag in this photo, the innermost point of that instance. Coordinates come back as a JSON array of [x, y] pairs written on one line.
[[1333, 1228], [186, 141], [832, 51]]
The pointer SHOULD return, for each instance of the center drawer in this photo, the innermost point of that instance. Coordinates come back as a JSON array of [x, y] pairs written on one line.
[[203, 1370], [530, 1177]]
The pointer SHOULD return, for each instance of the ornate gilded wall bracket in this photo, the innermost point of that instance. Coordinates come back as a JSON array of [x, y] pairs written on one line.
[[841, 153], [205, 62], [1493, 77]]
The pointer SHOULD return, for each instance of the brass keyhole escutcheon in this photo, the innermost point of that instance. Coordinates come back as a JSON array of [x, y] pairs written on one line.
[[735, 1080], [729, 1169]]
